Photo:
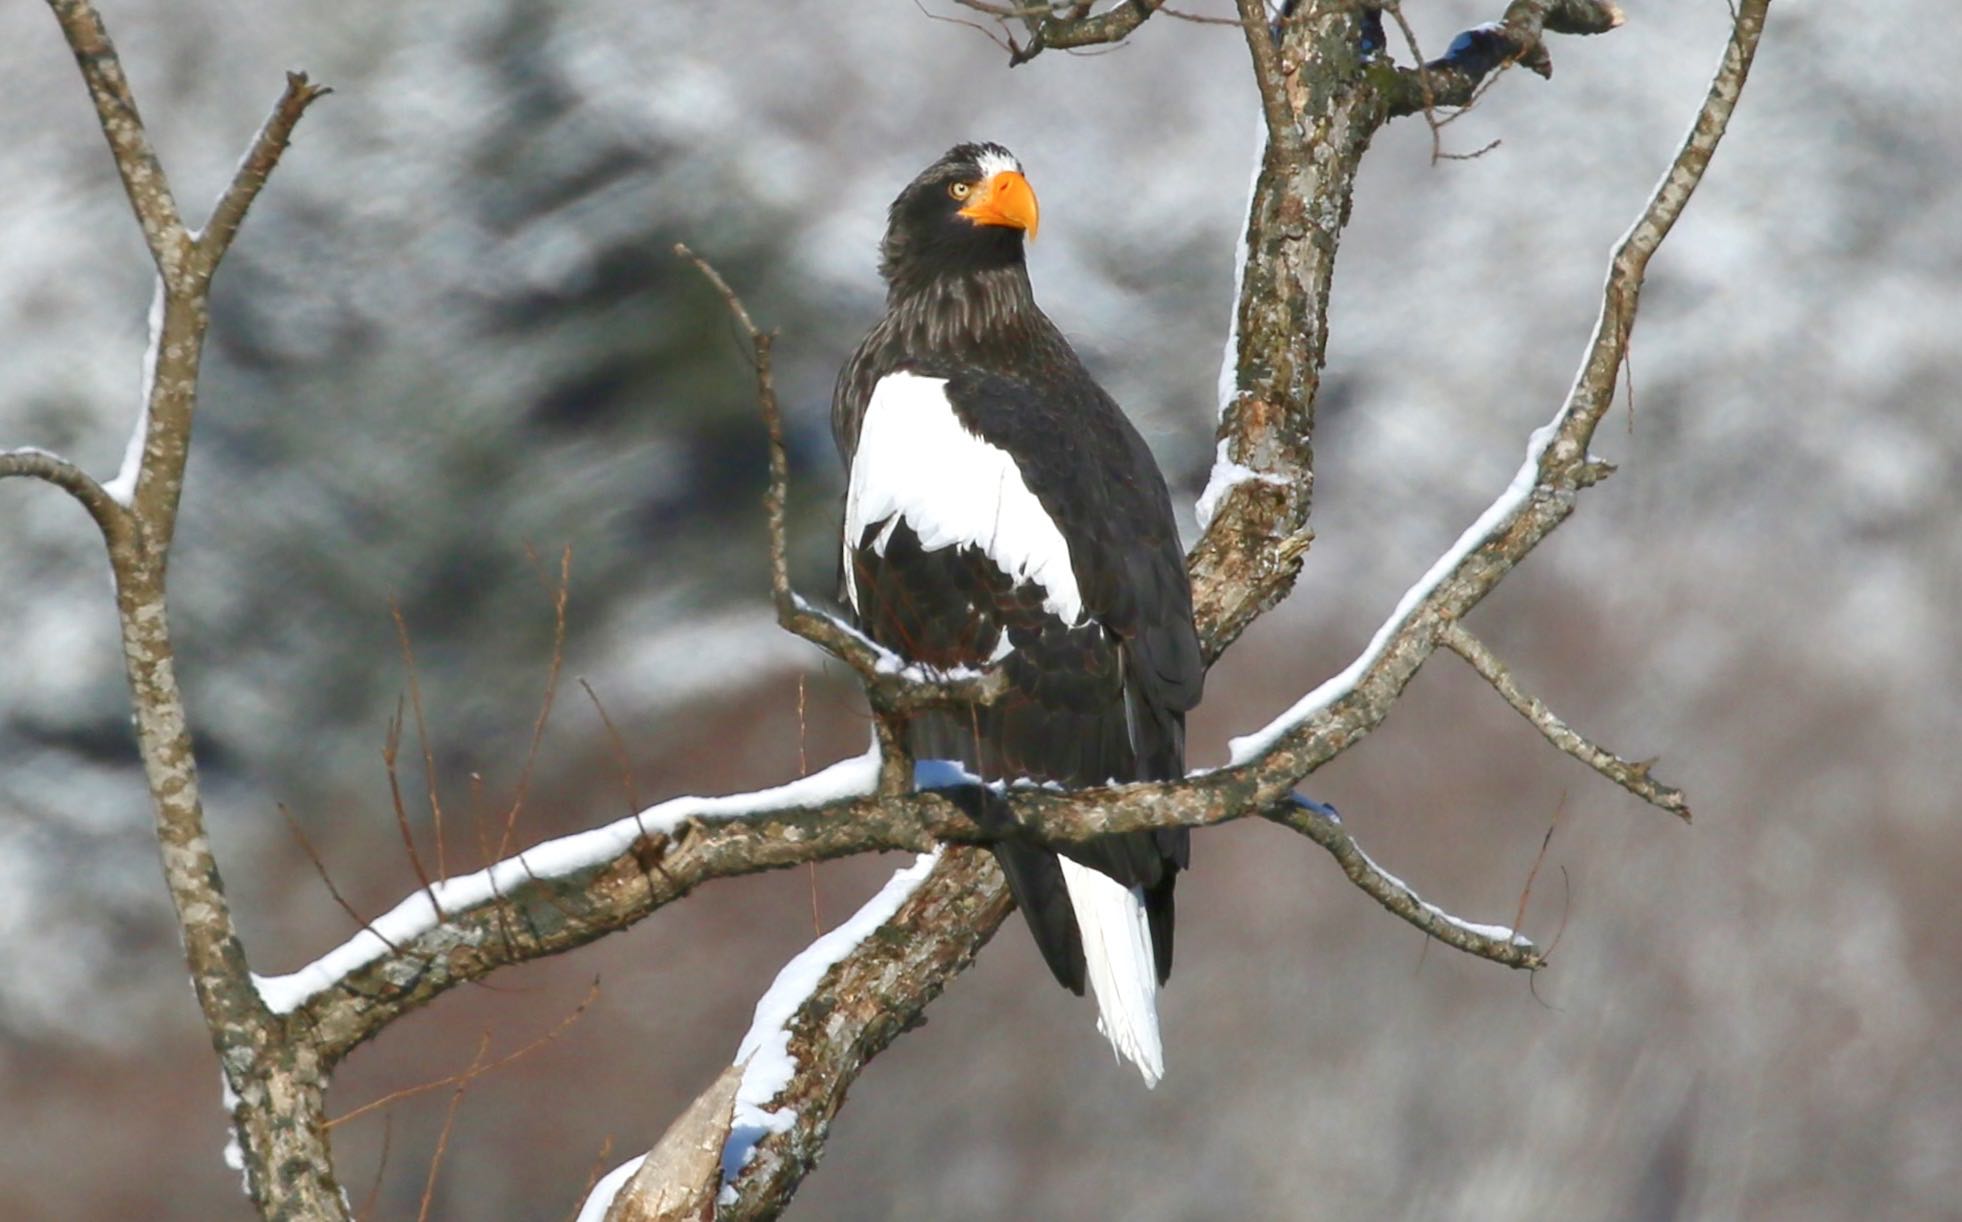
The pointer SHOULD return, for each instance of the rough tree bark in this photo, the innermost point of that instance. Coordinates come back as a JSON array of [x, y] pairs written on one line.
[[1325, 87]]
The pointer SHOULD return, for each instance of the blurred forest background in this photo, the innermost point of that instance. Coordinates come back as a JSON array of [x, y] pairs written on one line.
[[451, 331]]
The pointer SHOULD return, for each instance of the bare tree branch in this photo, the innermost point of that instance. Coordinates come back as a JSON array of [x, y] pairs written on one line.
[[870, 998], [1063, 28], [275, 1081], [1454, 79], [568, 892], [1254, 511], [1255, 508], [115, 109], [250, 178], [1541, 495], [1634, 777], [110, 517], [478, 1067], [1495, 942], [1269, 77], [463, 1083]]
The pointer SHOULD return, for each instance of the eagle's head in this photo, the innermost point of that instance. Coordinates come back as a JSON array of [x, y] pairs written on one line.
[[965, 213]]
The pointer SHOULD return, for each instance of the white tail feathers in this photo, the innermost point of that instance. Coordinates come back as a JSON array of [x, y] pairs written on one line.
[[1122, 969]]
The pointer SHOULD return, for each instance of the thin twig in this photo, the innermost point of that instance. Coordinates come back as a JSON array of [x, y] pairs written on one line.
[[1429, 90], [449, 1124], [648, 848], [478, 1068], [479, 804], [592, 1176], [617, 746], [367, 1209], [559, 599], [422, 733], [391, 755], [1634, 777], [320, 868], [1006, 44], [1395, 10], [1526, 892]]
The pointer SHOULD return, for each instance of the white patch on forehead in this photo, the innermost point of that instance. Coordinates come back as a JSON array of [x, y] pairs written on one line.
[[994, 161]]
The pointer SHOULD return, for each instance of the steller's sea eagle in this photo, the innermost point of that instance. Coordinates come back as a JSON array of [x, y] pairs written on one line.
[[1000, 509]]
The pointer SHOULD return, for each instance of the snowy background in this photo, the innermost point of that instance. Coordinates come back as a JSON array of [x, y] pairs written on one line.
[[451, 332]]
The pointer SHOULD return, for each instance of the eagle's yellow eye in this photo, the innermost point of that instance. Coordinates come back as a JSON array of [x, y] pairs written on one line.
[[960, 190]]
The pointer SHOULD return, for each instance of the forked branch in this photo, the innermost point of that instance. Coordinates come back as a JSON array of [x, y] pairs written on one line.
[[274, 1079]]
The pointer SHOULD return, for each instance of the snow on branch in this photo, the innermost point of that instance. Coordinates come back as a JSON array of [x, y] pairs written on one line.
[[750, 1104], [1542, 493], [765, 1056], [867, 999], [448, 900], [856, 1006], [566, 892], [1499, 943]]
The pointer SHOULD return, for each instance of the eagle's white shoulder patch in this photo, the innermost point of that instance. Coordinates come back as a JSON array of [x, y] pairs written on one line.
[[917, 462]]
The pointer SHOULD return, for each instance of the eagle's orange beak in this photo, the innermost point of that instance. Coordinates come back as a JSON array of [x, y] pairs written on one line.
[[1005, 199]]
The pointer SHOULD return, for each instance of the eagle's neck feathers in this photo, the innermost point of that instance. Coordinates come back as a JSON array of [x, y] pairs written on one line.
[[982, 314]]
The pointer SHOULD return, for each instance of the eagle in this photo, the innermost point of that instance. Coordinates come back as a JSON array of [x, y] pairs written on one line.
[[1000, 510]]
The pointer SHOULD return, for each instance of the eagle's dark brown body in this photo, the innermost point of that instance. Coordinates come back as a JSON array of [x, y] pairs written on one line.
[[1099, 645]]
